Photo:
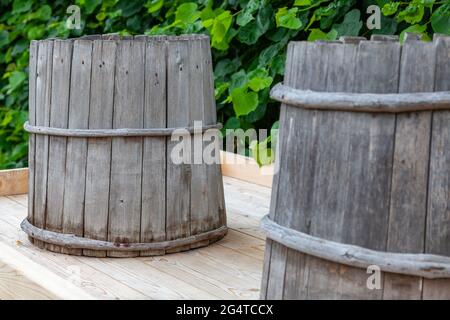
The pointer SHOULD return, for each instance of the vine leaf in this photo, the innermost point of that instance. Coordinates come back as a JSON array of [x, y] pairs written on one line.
[[440, 20], [244, 101], [351, 24], [287, 18]]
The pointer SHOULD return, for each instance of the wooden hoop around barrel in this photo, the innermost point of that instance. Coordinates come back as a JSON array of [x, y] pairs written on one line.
[[362, 102], [71, 241], [108, 133], [422, 265]]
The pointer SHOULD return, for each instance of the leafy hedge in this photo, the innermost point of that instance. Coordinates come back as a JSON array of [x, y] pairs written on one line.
[[248, 37]]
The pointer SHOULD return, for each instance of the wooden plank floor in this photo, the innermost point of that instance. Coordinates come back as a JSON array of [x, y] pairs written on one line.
[[228, 269]]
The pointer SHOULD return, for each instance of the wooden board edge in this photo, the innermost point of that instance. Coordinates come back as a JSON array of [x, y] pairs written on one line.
[[246, 169], [29, 272], [14, 181]]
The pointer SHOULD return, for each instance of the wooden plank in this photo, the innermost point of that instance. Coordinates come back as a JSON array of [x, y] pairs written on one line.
[[59, 115], [99, 150], [126, 167], [289, 74], [246, 204], [245, 244], [20, 185], [178, 176], [217, 210], [92, 280], [158, 285], [14, 181], [153, 222], [438, 215], [289, 201], [204, 208], [212, 269], [75, 181], [229, 269], [21, 199], [246, 168], [410, 169], [21, 278], [43, 100], [15, 286]]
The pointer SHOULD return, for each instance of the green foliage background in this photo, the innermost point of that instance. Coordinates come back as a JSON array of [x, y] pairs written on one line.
[[248, 38]]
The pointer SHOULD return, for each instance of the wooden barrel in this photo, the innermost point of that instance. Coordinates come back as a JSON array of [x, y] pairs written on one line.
[[361, 202], [102, 180]]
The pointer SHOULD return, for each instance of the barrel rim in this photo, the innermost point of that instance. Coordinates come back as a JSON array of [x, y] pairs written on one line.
[[147, 38]]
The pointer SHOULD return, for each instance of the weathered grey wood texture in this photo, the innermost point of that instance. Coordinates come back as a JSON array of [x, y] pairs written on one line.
[[375, 180], [122, 190]]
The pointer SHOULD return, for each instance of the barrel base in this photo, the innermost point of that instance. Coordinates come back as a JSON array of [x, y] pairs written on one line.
[[75, 245]]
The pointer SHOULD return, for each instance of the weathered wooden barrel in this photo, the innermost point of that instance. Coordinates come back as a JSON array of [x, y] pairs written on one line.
[[102, 179], [361, 202]]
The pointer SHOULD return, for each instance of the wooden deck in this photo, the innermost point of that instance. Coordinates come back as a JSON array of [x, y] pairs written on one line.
[[228, 269]]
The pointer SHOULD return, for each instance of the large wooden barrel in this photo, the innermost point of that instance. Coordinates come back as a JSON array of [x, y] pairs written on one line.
[[361, 202], [102, 179]]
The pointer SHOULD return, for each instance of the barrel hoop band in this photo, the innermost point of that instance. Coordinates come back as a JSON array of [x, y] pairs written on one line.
[[362, 102], [108, 133], [72, 241], [421, 265]]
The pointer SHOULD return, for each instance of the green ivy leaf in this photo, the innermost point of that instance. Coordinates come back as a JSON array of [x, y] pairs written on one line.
[[43, 13], [246, 15], [220, 88], [278, 64], [91, 5], [250, 33], [238, 79], [261, 152], [221, 25], [287, 18], [101, 16], [351, 24], [258, 113], [15, 80], [244, 101], [259, 83], [243, 18], [412, 14], [187, 12], [129, 7], [390, 8], [440, 20], [317, 34], [302, 3], [388, 26], [232, 123], [225, 67], [154, 5], [268, 54], [20, 6], [36, 32], [4, 38], [259, 79]]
